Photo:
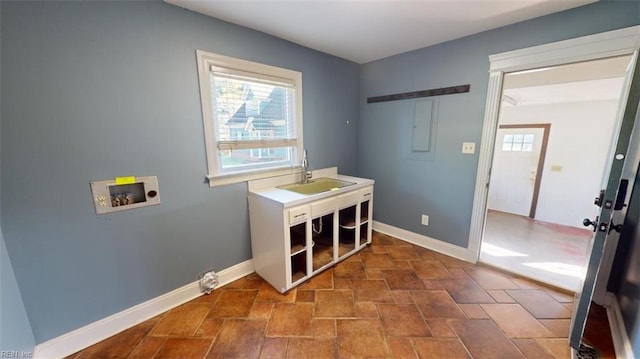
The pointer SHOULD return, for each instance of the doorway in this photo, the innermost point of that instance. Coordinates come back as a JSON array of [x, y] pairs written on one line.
[[555, 129], [519, 155], [613, 43]]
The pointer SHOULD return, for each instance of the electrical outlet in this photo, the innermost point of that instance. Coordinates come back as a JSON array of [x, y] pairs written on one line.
[[425, 220], [468, 147]]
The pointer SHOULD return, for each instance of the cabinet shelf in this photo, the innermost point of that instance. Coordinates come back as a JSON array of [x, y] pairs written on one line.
[[298, 248], [344, 248], [298, 275], [322, 255], [351, 223], [346, 242], [298, 266]]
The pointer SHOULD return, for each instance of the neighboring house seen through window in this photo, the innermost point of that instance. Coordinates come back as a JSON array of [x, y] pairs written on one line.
[[252, 118]]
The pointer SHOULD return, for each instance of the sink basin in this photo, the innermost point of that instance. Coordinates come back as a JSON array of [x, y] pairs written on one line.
[[316, 186]]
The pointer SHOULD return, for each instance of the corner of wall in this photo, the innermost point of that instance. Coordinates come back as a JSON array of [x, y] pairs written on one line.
[[16, 336]]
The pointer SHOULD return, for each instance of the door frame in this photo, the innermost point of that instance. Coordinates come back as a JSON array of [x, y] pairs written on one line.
[[543, 154], [592, 47]]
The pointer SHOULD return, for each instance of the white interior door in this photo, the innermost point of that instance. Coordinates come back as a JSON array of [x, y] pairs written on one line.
[[617, 160], [514, 169]]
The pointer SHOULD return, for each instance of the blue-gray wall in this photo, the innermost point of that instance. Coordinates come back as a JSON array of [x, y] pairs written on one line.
[[15, 330], [443, 187], [93, 90]]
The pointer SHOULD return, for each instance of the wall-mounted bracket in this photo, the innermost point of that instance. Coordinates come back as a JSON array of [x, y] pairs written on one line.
[[424, 93]]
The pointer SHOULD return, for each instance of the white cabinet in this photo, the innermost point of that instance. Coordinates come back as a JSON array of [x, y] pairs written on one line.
[[292, 244]]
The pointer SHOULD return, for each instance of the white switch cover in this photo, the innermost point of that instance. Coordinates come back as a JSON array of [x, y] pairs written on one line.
[[468, 147]]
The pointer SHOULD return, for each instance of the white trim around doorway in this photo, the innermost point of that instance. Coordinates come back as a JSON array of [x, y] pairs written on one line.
[[608, 44]]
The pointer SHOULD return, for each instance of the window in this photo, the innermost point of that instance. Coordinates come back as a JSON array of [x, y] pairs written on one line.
[[518, 142], [252, 117]]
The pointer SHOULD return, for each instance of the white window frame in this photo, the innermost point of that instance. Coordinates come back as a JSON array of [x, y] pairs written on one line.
[[215, 175]]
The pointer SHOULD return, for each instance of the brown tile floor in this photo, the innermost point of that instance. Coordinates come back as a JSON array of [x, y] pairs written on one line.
[[391, 300]]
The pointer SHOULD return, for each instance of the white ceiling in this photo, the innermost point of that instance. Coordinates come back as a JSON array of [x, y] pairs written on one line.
[[581, 91], [581, 71], [367, 30], [596, 80]]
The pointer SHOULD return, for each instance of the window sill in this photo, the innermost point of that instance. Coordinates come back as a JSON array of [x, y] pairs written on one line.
[[221, 180]]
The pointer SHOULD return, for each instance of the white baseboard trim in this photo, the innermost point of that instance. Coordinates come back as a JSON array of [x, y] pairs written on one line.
[[619, 335], [88, 335], [422, 241]]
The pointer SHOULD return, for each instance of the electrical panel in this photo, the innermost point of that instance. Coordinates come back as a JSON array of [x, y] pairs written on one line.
[[122, 193]]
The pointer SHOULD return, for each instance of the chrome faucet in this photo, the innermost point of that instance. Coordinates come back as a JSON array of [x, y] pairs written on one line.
[[306, 172]]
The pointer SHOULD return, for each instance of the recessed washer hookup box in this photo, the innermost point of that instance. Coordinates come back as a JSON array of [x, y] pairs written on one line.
[[122, 193]]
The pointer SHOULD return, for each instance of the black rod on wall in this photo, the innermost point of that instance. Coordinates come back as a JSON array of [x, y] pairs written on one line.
[[424, 93]]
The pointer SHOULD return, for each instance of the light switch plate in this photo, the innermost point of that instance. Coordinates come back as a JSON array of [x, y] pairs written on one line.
[[468, 147]]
